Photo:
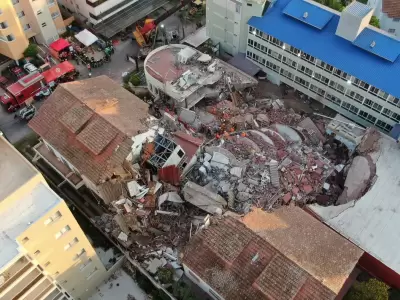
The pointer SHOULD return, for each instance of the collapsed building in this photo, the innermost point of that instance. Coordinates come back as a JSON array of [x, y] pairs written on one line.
[[182, 76], [165, 180]]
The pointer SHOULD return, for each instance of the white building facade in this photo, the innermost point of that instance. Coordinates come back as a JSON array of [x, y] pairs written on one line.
[[227, 22], [350, 96]]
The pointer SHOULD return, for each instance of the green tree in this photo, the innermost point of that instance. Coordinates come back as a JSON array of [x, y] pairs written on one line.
[[31, 50], [372, 289], [363, 1], [334, 4], [135, 79], [375, 22]]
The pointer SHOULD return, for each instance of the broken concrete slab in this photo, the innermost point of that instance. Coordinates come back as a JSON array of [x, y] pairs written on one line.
[[123, 237], [171, 197], [203, 198], [236, 171], [154, 265], [207, 157], [220, 158], [187, 116]]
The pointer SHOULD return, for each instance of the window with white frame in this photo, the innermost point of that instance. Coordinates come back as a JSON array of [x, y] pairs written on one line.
[[27, 27], [272, 66], [341, 74], [62, 232], [392, 30], [21, 14], [317, 90], [85, 264], [287, 74], [361, 84], [377, 107], [55, 15], [250, 42], [301, 81], [274, 54], [308, 57], [333, 99], [321, 78], [305, 70], [51, 2], [394, 101], [325, 66], [294, 50], [291, 63]]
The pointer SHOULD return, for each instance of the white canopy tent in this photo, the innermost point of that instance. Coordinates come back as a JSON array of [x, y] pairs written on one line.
[[86, 37]]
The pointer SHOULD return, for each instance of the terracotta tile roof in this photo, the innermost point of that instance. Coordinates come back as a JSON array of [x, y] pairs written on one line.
[[391, 8], [323, 253], [244, 266], [90, 123]]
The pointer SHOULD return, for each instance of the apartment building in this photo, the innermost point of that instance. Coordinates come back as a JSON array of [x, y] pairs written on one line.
[[334, 58], [226, 22], [388, 13], [44, 254], [22, 21]]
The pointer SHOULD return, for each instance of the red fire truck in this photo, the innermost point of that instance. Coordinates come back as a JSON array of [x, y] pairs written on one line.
[[20, 91]]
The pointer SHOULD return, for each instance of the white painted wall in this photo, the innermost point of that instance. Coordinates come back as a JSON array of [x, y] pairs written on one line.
[[278, 78], [226, 22], [391, 25]]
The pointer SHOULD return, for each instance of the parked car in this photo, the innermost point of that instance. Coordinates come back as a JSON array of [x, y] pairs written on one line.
[[30, 68]]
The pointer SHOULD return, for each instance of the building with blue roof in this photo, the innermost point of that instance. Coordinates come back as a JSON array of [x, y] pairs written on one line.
[[332, 57]]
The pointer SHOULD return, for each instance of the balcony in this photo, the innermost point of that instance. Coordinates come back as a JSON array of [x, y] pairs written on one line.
[[51, 159], [14, 272]]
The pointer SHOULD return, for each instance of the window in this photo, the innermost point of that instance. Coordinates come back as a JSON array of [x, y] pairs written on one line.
[[308, 57], [15, 2], [287, 74], [305, 70], [272, 66], [289, 62], [377, 107], [44, 24], [3, 25], [238, 6], [79, 254], [396, 19], [65, 281], [368, 103], [85, 264], [24, 240], [10, 37], [250, 42], [371, 119], [91, 273], [274, 54], [361, 84], [53, 218], [51, 2], [47, 264], [355, 96], [40, 267], [392, 30], [333, 99], [343, 75], [62, 232], [37, 252], [321, 78], [249, 4], [55, 15], [56, 274], [394, 101], [317, 90], [27, 27], [325, 66], [301, 81], [294, 50], [39, 12], [70, 244]]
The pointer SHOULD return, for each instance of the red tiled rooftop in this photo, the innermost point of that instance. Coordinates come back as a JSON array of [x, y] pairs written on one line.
[[162, 65], [391, 8], [240, 265]]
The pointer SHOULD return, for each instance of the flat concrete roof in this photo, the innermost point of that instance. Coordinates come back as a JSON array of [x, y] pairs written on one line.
[[20, 215], [15, 170], [372, 221]]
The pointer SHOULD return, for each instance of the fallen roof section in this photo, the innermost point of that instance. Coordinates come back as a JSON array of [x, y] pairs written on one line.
[[370, 221], [239, 264]]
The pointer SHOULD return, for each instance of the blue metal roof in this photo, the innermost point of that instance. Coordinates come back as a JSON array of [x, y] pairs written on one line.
[[327, 46], [308, 13], [358, 9], [378, 44]]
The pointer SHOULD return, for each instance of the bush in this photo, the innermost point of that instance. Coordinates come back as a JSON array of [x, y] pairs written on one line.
[[375, 22], [135, 80], [165, 275], [372, 289], [31, 50]]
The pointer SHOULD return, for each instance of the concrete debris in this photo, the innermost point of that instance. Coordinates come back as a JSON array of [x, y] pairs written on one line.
[[170, 196], [123, 236], [203, 198], [236, 171], [154, 265]]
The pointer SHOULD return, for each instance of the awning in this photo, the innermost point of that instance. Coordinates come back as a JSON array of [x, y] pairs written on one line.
[[59, 45], [86, 37], [58, 71], [239, 61], [197, 38]]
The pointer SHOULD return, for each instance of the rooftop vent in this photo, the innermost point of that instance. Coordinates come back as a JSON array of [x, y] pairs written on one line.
[[372, 44], [305, 15]]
